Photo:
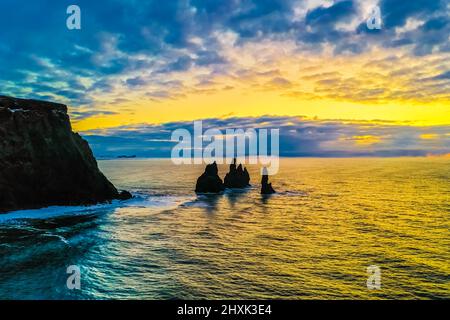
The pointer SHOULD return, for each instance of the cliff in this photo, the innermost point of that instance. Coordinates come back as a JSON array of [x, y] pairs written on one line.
[[42, 162]]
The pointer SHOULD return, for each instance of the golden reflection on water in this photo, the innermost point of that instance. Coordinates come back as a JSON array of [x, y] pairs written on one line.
[[331, 219]]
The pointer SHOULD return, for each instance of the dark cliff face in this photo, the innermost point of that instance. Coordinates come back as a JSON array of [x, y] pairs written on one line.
[[42, 162]]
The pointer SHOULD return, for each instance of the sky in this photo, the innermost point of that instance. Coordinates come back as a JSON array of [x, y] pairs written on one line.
[[138, 69]]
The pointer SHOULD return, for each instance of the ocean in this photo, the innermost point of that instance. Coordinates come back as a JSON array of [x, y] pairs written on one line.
[[329, 221]]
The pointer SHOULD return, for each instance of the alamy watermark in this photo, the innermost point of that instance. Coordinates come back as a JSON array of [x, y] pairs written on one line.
[[248, 145], [374, 277], [74, 280], [73, 21], [374, 21]]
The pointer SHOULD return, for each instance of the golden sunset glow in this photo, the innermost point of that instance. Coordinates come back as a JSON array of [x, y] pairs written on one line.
[[225, 150], [274, 79], [383, 91]]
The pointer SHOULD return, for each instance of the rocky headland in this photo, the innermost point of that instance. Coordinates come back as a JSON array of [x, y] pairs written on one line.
[[43, 163]]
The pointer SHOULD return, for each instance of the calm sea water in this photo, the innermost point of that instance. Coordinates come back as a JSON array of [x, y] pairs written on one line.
[[331, 219]]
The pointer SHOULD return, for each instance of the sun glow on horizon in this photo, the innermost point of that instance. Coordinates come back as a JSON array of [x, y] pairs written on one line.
[[271, 78]]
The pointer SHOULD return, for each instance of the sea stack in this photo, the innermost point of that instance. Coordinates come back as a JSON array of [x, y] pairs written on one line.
[[209, 181], [237, 177], [266, 187], [43, 163]]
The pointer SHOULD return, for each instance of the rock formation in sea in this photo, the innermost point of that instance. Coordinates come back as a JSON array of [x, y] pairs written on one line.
[[209, 181], [266, 187], [237, 177], [43, 163]]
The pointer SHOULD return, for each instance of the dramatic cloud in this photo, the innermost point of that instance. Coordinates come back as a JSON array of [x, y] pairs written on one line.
[[135, 45], [298, 137], [169, 62]]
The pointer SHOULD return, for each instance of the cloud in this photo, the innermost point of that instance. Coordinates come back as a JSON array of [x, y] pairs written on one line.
[[79, 115], [130, 49], [364, 140], [325, 17], [442, 76], [279, 82], [298, 137], [396, 12]]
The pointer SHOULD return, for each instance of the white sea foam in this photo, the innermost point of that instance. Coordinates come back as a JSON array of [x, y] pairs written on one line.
[[140, 201], [54, 211]]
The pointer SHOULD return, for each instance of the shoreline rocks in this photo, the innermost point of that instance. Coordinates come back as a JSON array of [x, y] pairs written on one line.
[[44, 163], [209, 181], [237, 177], [266, 187]]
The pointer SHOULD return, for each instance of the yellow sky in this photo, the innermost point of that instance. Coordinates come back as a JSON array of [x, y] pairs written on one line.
[[241, 104], [270, 78]]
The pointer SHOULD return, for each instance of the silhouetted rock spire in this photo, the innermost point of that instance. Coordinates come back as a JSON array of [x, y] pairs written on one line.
[[237, 177], [209, 181], [266, 187]]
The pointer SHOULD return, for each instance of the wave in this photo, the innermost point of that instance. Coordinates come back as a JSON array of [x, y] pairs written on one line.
[[61, 238], [293, 193], [139, 200]]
